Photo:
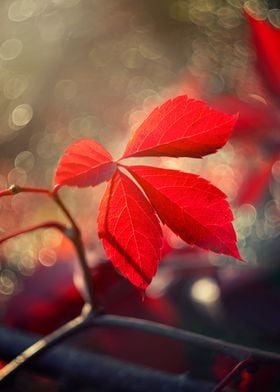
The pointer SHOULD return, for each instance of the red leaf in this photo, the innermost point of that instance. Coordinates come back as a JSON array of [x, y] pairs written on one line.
[[193, 208], [181, 127], [267, 43], [85, 163], [257, 182], [130, 230], [255, 118]]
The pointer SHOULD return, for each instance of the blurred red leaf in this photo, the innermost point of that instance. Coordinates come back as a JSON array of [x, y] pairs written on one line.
[[84, 163], [255, 116], [257, 182], [48, 299], [193, 208], [181, 127], [130, 231], [267, 43]]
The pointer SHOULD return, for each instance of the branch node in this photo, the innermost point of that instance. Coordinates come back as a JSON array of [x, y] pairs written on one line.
[[55, 189], [15, 189], [70, 233], [87, 310]]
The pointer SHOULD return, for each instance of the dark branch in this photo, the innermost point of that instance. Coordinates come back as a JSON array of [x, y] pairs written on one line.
[[88, 320], [206, 342], [43, 344], [95, 370]]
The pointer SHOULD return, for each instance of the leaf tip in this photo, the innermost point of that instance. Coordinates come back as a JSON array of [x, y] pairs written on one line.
[[236, 255], [142, 293], [241, 258], [55, 188]]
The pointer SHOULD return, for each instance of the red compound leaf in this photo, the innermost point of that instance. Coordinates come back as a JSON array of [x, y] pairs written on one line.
[[193, 208]]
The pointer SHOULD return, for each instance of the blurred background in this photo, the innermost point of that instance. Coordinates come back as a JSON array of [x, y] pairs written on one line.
[[85, 68]]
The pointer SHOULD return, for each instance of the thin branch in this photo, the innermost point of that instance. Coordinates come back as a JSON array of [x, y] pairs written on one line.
[[206, 342], [44, 225], [66, 212], [43, 344], [242, 365], [74, 235], [33, 190], [77, 242], [15, 189], [6, 192], [80, 249]]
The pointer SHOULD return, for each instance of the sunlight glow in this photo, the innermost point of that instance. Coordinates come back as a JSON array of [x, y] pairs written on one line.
[[205, 291]]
